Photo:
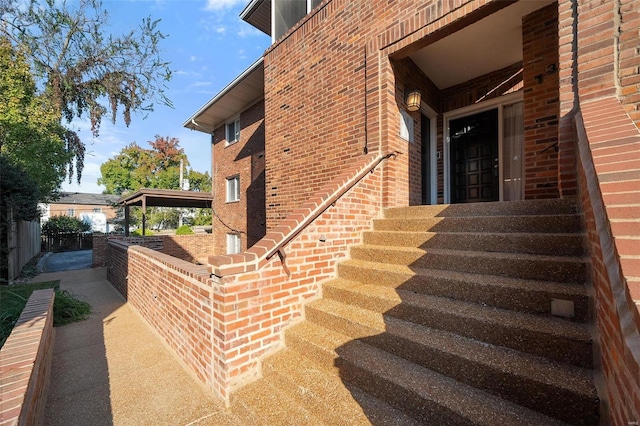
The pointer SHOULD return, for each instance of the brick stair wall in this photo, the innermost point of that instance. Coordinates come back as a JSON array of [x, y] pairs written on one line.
[[25, 362], [609, 175]]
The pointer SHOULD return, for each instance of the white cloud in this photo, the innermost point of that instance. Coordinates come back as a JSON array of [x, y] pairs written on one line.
[[248, 31], [221, 30], [217, 5], [201, 84], [193, 58]]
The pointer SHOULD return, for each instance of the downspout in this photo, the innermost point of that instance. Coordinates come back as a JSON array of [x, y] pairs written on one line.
[[617, 29]]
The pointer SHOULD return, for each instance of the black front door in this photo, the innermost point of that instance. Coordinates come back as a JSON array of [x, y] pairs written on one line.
[[474, 158]]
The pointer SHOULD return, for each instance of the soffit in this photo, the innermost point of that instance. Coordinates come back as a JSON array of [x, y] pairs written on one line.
[[244, 91], [490, 44], [258, 14]]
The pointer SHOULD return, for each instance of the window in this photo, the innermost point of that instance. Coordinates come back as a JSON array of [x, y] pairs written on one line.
[[71, 212], [287, 13], [233, 189], [233, 244], [97, 210], [233, 131], [406, 126]]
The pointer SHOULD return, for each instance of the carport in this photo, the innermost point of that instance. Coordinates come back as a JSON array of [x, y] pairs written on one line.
[[147, 197]]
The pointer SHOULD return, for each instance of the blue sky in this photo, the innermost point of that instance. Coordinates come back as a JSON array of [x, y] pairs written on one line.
[[208, 45]]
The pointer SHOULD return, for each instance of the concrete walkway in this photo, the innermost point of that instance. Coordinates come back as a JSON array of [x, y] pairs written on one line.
[[112, 369]]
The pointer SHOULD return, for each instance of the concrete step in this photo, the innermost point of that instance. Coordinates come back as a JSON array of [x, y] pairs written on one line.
[[562, 341], [525, 223], [425, 395], [558, 390], [260, 403], [525, 207], [326, 395], [501, 292], [530, 243], [526, 266]]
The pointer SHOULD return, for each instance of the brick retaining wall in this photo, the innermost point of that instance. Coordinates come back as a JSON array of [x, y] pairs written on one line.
[[25, 362]]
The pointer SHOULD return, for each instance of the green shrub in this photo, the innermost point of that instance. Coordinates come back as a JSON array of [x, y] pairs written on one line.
[[64, 224], [184, 230], [66, 307], [138, 233]]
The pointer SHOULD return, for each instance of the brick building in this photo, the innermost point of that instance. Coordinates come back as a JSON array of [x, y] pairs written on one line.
[[512, 119], [235, 120], [76, 204]]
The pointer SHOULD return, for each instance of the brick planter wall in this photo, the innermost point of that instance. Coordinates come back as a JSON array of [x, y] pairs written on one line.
[[25, 362]]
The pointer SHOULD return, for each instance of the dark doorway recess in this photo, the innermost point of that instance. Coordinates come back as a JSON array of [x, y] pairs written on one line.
[[474, 158]]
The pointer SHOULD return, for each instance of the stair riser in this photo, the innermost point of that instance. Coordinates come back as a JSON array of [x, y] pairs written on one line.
[[525, 340], [537, 207], [557, 269], [544, 244], [539, 396], [531, 300], [424, 410], [540, 224], [537, 343]]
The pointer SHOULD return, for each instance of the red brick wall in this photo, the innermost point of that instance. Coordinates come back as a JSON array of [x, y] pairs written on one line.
[[629, 57], [246, 159], [191, 248], [172, 296], [610, 197], [316, 77], [25, 362], [222, 326], [252, 309], [541, 102]]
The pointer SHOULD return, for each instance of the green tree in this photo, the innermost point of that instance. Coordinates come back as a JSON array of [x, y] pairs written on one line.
[[79, 68], [30, 132], [64, 224]]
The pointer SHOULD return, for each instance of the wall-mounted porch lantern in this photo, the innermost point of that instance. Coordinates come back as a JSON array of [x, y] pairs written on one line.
[[413, 98]]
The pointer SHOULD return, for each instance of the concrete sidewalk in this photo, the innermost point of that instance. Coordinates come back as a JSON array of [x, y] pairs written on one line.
[[112, 369]]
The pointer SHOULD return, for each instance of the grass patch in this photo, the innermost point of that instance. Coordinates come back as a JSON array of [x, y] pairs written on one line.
[[66, 307]]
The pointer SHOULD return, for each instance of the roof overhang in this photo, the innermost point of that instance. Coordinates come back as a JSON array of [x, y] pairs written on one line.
[[168, 198], [244, 91], [258, 14]]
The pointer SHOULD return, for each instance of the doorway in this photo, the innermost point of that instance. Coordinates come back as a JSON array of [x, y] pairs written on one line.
[[474, 161]]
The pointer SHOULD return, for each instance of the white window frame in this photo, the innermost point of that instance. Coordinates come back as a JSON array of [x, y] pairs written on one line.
[[235, 137], [234, 244], [71, 212], [233, 189]]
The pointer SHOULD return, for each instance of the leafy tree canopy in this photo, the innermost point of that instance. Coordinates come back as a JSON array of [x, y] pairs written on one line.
[[135, 167], [79, 68], [31, 136]]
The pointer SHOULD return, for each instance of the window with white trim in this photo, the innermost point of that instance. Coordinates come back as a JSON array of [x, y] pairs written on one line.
[[233, 189], [234, 244], [71, 212], [233, 131]]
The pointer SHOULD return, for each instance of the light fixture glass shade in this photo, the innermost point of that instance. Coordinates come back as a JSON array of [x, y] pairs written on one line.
[[413, 100]]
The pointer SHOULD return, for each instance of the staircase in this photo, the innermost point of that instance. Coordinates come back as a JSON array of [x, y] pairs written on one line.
[[443, 316]]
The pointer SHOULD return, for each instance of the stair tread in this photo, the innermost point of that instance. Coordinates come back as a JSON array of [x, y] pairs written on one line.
[[473, 253], [575, 379], [516, 234], [481, 279], [524, 207], [263, 404], [468, 402], [328, 393], [490, 315]]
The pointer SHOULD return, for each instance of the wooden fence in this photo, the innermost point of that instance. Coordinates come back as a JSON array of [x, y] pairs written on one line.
[[24, 244], [67, 241]]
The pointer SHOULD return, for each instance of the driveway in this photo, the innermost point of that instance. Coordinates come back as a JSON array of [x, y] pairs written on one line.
[[66, 261]]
